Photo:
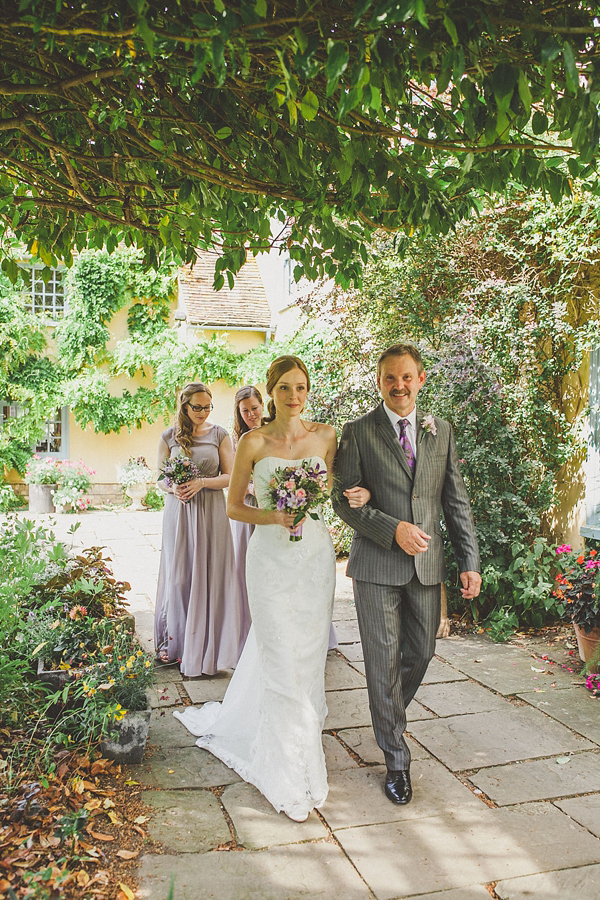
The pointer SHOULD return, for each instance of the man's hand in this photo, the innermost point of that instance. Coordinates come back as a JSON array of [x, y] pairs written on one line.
[[471, 584], [411, 538]]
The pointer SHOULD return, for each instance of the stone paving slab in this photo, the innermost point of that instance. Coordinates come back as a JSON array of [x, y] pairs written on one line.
[[183, 767], [213, 687], [351, 708], [574, 707], [163, 673], [164, 695], [339, 674], [569, 884], [459, 697], [353, 652], [493, 738], [356, 797], [337, 757], [346, 631], [439, 853], [540, 779], [257, 825], [472, 892], [440, 671], [166, 732], [309, 871], [510, 670], [359, 665], [186, 821], [362, 741], [585, 810], [456, 647]]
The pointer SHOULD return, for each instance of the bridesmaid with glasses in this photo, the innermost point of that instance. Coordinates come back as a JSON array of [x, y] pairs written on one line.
[[201, 618]]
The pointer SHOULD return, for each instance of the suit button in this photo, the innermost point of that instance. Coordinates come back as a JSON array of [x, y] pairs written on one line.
[[415, 496]]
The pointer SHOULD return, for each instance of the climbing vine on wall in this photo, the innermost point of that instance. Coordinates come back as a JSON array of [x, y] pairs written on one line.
[[71, 364]]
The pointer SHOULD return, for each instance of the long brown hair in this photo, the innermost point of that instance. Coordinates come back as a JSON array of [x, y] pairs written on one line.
[[244, 393], [184, 427], [279, 367]]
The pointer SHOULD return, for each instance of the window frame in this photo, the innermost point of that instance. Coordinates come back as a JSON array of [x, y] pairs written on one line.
[[63, 453], [51, 315], [591, 528]]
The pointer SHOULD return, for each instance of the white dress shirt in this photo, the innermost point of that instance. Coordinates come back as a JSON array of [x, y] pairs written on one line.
[[411, 428]]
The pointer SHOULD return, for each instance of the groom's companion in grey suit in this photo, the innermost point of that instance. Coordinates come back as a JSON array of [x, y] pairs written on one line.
[[408, 461]]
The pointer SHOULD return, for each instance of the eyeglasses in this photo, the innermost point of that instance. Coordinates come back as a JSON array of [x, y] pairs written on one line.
[[201, 408]]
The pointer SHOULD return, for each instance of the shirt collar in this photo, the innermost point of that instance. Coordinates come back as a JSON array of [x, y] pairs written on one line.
[[395, 418]]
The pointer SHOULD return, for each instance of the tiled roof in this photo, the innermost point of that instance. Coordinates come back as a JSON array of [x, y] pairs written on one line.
[[244, 306]]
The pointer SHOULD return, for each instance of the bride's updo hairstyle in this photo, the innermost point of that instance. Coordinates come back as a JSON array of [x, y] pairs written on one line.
[[184, 427], [279, 367]]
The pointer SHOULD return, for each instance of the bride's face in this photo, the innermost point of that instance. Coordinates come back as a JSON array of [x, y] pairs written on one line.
[[289, 393]]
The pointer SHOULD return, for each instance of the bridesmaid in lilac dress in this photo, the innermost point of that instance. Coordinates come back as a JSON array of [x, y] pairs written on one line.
[[201, 617], [247, 414]]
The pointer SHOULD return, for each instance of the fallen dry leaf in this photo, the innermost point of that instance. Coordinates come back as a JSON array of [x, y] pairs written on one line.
[[128, 854], [141, 820], [97, 835], [82, 878], [114, 818], [128, 893]]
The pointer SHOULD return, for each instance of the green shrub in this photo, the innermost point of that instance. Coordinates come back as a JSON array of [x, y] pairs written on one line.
[[154, 499]]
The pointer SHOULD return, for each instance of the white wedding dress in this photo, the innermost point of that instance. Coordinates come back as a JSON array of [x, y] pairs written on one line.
[[268, 728]]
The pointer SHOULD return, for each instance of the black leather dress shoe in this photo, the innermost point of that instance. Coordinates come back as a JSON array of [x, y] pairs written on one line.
[[398, 788]]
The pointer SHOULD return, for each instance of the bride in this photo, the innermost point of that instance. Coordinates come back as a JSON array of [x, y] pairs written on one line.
[[268, 728]]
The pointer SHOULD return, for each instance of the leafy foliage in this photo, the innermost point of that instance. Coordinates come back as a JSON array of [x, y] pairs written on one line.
[[503, 312], [578, 588], [176, 126]]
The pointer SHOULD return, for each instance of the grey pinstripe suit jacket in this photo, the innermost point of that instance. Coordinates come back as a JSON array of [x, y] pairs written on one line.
[[370, 455]]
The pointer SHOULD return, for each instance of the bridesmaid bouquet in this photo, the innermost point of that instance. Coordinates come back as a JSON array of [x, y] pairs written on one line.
[[179, 469], [298, 488]]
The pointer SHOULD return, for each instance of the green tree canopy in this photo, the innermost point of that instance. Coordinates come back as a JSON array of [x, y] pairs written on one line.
[[182, 124]]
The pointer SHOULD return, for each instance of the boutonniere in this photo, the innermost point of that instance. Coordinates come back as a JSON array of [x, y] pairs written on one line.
[[428, 424]]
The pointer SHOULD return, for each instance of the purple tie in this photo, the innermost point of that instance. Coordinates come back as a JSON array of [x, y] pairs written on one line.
[[406, 445]]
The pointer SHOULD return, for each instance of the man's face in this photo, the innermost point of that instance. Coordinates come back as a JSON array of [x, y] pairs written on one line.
[[399, 383]]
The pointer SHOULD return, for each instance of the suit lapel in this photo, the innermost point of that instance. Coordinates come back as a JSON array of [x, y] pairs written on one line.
[[386, 430], [423, 441]]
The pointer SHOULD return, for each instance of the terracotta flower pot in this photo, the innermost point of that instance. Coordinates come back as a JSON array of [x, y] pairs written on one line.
[[588, 645]]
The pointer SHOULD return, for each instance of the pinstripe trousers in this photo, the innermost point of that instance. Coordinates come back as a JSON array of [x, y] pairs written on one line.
[[398, 625]]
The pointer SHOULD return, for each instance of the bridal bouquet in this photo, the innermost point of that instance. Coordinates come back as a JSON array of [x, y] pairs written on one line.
[[179, 469], [298, 489]]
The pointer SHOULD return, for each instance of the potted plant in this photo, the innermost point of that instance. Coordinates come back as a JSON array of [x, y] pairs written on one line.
[[108, 701], [135, 477], [41, 474], [74, 481], [578, 587]]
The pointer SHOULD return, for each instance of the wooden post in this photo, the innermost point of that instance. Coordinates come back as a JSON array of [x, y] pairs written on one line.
[[444, 629]]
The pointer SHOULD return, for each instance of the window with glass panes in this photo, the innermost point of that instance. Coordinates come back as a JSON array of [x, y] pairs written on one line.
[[54, 440], [45, 298]]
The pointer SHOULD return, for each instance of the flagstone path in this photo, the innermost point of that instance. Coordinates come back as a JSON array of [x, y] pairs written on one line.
[[506, 774]]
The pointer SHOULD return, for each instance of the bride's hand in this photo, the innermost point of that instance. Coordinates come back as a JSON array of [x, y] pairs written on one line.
[[281, 517], [186, 491], [357, 497]]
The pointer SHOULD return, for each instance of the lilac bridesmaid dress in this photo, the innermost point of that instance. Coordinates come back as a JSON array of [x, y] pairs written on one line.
[[202, 616]]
